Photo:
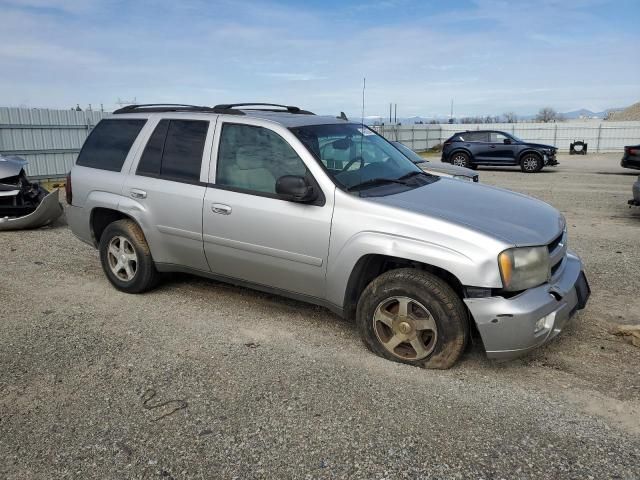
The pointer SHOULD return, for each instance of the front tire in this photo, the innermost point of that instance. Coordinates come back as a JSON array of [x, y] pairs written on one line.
[[531, 163], [126, 258], [461, 159], [411, 316]]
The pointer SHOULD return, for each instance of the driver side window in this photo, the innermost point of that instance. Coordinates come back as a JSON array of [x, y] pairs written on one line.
[[495, 137], [253, 158]]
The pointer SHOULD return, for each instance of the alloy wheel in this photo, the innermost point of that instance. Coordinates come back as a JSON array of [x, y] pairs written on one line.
[[122, 258], [405, 328]]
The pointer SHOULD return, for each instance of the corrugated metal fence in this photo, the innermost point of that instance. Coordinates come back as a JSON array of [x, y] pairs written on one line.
[[600, 136], [49, 139]]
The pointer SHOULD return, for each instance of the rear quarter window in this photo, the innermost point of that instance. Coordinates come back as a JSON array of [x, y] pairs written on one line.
[[107, 146]]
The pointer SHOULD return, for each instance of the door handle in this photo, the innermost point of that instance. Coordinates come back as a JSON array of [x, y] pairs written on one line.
[[492, 146], [220, 208], [136, 193]]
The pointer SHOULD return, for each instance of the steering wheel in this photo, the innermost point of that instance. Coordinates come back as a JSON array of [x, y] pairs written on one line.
[[351, 162]]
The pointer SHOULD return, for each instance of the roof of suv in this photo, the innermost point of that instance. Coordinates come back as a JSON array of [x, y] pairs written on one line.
[[287, 116]]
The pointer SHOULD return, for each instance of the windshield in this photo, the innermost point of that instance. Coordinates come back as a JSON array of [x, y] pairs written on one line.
[[410, 154], [356, 157]]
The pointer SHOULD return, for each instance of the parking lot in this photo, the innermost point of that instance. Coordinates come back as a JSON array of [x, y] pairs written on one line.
[[198, 379]]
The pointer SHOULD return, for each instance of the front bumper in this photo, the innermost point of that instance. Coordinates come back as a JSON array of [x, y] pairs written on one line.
[[508, 325], [636, 194], [550, 160]]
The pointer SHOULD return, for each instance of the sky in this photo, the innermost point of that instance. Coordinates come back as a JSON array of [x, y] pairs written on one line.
[[489, 56]]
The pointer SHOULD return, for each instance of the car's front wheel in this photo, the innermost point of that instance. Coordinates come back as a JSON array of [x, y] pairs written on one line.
[[531, 163], [126, 258], [460, 159], [411, 316]]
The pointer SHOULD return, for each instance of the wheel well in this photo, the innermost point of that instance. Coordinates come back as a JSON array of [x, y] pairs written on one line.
[[461, 150], [101, 218], [529, 152], [371, 266]]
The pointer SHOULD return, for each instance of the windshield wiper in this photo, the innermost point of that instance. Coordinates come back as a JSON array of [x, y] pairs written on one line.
[[373, 182], [412, 174]]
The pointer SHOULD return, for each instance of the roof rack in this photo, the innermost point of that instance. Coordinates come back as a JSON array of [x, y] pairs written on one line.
[[279, 108], [173, 107]]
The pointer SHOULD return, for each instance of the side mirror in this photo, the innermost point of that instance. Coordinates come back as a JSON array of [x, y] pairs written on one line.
[[507, 141], [295, 189]]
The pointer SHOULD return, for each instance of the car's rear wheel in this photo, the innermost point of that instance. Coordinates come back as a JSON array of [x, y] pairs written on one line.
[[411, 316], [126, 258], [531, 163], [460, 159]]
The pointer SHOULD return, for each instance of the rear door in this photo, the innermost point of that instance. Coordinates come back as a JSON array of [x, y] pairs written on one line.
[[477, 144], [166, 190], [249, 232]]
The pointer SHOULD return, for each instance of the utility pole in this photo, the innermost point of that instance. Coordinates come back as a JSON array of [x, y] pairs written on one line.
[[390, 119], [395, 115]]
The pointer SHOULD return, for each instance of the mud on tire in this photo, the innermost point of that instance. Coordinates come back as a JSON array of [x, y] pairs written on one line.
[[126, 259], [444, 311]]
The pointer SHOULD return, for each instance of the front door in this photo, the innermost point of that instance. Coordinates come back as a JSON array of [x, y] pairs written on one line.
[[499, 152], [251, 234]]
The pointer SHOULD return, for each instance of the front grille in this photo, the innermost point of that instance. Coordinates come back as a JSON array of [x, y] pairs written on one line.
[[557, 252], [555, 242]]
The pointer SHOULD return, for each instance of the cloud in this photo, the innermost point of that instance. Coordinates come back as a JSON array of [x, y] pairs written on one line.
[[412, 53]]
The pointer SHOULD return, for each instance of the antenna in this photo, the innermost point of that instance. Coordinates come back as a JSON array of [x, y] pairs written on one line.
[[364, 86], [451, 115]]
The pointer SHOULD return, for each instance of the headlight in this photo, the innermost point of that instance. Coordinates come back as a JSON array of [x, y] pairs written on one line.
[[463, 177], [523, 268]]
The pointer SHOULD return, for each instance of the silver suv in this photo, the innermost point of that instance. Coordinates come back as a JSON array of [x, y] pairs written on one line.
[[326, 211]]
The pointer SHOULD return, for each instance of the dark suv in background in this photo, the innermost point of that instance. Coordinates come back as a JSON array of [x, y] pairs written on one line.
[[489, 147]]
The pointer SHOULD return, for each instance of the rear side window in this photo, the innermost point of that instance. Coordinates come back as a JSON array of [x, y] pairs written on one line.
[[174, 151], [474, 137], [108, 144]]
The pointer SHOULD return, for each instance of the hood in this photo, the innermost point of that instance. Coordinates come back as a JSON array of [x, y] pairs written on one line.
[[511, 217], [539, 145], [11, 166], [447, 169]]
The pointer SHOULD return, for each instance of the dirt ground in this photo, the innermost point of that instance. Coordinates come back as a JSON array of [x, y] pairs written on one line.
[[198, 379]]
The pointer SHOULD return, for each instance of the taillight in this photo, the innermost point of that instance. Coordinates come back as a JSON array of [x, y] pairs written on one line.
[[633, 151], [67, 189]]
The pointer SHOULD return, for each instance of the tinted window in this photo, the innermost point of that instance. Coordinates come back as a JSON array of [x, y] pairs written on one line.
[[253, 158], [175, 150], [152, 155], [183, 148], [474, 136], [108, 144]]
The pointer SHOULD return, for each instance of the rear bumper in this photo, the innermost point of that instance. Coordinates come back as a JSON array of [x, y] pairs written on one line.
[[630, 162], [511, 327], [80, 224]]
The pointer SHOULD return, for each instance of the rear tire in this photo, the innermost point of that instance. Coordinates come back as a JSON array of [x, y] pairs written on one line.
[[531, 163], [126, 258], [461, 159], [411, 316]]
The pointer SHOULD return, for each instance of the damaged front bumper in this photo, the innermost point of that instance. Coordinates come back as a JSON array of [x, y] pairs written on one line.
[[46, 212], [511, 327]]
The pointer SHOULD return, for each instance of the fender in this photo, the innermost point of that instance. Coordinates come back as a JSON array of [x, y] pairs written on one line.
[[530, 150], [469, 272]]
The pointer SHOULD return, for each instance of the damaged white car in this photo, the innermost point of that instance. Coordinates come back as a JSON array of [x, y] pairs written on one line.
[[24, 204]]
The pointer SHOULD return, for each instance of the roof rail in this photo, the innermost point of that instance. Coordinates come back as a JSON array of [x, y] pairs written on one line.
[[279, 108], [173, 107]]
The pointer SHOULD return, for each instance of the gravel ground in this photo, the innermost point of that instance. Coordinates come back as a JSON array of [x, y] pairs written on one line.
[[199, 379]]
